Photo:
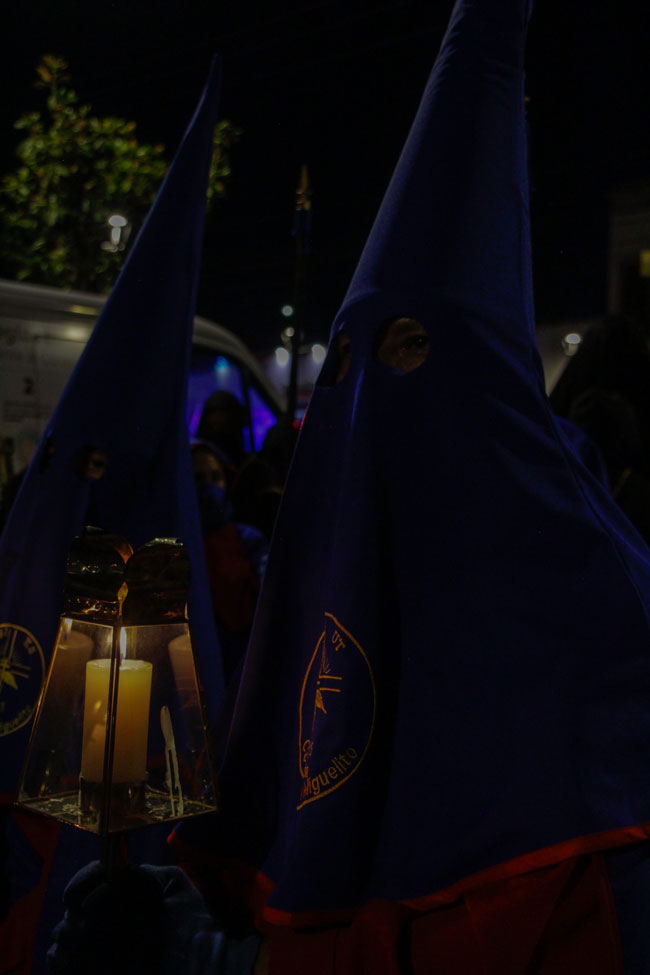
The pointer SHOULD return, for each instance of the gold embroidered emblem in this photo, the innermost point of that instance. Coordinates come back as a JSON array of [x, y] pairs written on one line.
[[336, 713], [22, 670]]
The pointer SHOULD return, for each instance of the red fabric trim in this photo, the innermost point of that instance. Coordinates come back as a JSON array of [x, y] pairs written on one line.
[[18, 929], [594, 843], [550, 855], [554, 921]]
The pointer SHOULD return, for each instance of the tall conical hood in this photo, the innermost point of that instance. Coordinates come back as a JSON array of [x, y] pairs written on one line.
[[454, 220], [124, 408], [449, 672]]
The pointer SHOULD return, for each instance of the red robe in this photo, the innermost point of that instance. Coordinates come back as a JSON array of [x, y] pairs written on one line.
[[558, 920]]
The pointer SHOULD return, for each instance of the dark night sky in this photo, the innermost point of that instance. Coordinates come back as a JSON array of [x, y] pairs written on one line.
[[336, 84]]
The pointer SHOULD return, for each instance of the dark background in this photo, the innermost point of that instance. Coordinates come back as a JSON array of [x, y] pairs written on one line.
[[335, 85]]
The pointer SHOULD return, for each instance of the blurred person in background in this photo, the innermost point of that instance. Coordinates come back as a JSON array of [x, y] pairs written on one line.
[[235, 552], [605, 391]]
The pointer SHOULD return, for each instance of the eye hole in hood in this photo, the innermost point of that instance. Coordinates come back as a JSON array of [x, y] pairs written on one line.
[[402, 343]]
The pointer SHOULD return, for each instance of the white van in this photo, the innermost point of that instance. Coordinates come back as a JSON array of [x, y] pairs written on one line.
[[42, 334]]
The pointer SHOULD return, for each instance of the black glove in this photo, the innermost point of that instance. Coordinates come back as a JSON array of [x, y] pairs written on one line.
[[144, 921], [110, 927]]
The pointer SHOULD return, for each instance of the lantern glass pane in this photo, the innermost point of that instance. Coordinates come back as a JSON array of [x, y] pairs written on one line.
[[50, 780], [160, 769], [179, 771]]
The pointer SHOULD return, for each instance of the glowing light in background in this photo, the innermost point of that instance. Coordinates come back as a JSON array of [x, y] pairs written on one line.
[[318, 353], [76, 333], [117, 223], [287, 311], [571, 343], [281, 356]]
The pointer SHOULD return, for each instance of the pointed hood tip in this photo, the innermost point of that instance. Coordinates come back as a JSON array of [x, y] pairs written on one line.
[[454, 223], [216, 64]]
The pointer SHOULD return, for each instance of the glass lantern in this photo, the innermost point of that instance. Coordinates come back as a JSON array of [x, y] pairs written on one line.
[[119, 739]]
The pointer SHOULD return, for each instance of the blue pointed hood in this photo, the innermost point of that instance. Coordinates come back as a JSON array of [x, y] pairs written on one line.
[[449, 672], [123, 407], [454, 221]]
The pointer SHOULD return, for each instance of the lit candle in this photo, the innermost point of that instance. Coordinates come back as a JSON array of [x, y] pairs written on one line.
[[131, 722]]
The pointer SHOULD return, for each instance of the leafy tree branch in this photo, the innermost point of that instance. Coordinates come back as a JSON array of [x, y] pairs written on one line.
[[75, 171]]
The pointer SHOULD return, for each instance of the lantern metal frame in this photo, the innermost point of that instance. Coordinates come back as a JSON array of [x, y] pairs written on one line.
[[141, 596]]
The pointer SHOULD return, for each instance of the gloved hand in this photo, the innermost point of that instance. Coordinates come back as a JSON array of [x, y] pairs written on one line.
[[144, 921]]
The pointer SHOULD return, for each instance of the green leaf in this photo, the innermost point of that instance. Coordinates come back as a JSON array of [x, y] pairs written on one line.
[[74, 169]]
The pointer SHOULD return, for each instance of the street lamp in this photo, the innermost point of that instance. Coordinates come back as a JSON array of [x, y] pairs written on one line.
[[118, 233]]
